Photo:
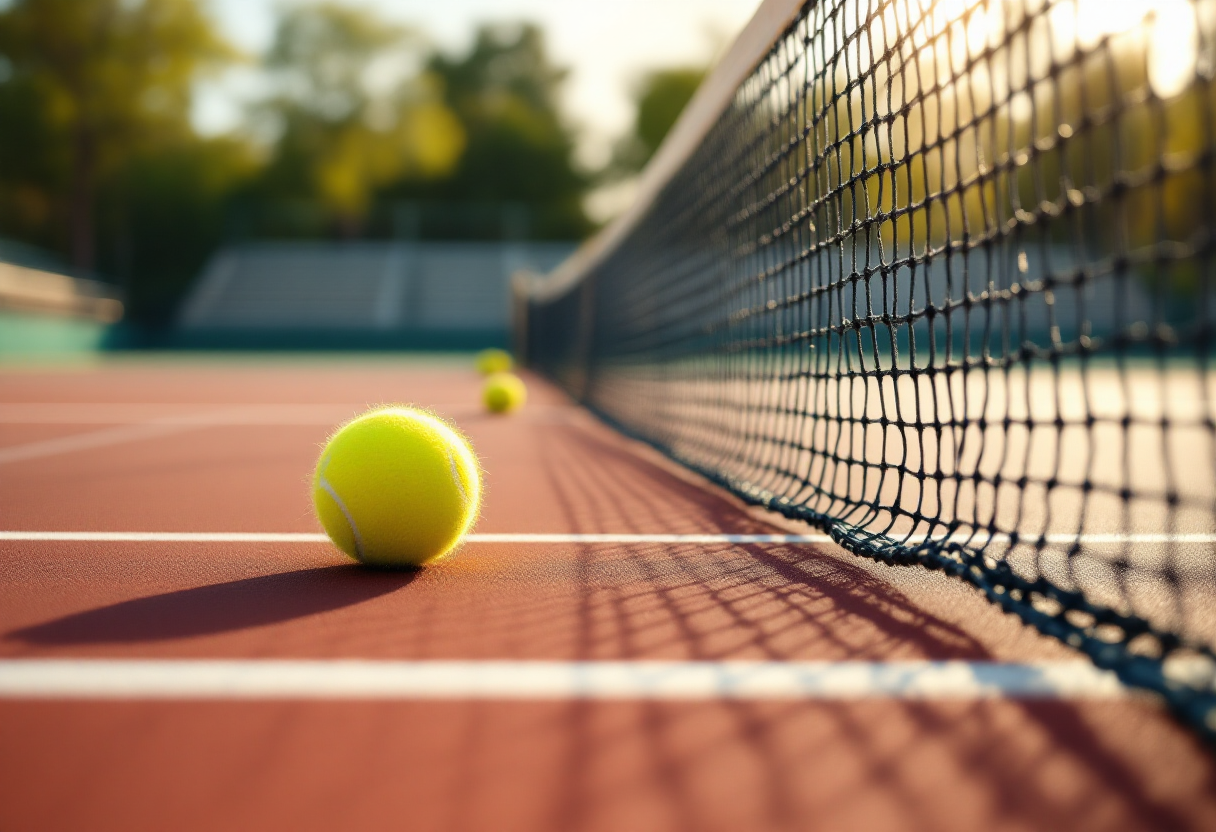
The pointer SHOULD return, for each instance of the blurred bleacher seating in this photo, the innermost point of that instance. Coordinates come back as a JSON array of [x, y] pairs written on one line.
[[360, 293]]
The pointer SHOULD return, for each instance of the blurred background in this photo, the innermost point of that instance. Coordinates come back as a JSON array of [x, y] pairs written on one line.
[[369, 173]]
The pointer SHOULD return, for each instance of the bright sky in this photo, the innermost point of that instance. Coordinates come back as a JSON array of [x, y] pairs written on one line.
[[606, 45]]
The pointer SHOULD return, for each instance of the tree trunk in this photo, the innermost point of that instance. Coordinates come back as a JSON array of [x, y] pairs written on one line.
[[82, 200]]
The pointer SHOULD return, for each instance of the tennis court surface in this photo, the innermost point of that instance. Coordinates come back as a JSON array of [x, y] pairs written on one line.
[[867, 481], [174, 449]]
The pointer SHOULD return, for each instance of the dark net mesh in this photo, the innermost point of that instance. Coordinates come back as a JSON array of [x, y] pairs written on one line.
[[939, 281]]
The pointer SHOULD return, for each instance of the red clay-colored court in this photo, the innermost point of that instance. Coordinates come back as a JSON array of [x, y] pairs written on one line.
[[227, 446]]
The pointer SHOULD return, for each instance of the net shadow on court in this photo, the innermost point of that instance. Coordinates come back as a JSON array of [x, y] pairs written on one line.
[[940, 283]]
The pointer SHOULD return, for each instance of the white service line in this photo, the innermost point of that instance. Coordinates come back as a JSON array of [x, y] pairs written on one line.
[[153, 421], [649, 538], [115, 413], [93, 439], [167, 537], [211, 415], [311, 537], [168, 422], [551, 680], [308, 537]]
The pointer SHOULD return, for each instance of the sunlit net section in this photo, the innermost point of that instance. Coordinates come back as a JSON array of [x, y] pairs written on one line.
[[939, 281]]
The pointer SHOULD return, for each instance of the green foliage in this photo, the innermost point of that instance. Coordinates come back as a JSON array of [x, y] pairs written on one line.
[[97, 82], [661, 97], [164, 214], [99, 161], [34, 164], [342, 135], [504, 92]]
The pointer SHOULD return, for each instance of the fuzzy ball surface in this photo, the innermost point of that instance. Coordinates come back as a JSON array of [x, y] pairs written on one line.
[[397, 487], [494, 361], [504, 392]]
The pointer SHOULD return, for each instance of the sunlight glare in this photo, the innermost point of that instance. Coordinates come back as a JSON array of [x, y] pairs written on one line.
[[1164, 33]]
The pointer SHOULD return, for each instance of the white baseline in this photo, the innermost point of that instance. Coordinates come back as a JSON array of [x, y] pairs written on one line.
[[550, 680], [313, 537]]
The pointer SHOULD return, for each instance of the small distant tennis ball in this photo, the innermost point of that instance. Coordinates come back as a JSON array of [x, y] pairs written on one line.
[[397, 487], [504, 392], [494, 361]]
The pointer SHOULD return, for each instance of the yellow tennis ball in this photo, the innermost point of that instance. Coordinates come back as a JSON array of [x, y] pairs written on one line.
[[504, 392], [494, 361], [396, 487]]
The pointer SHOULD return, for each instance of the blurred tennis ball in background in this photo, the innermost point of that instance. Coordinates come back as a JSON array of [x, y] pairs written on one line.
[[494, 361], [504, 392], [397, 487]]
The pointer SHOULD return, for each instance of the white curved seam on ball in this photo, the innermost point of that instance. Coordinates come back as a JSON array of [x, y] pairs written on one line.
[[464, 497], [350, 521]]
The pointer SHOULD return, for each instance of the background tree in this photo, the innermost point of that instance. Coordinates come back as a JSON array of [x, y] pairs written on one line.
[[164, 213], [519, 150], [660, 98], [351, 114], [87, 86], [99, 160]]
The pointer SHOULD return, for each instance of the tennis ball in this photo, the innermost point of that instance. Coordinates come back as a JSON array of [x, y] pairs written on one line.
[[396, 487], [503, 392], [494, 361]]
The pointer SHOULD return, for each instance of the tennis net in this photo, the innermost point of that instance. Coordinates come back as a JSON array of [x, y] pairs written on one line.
[[937, 277]]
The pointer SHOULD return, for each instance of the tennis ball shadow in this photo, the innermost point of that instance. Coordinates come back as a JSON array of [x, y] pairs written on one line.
[[220, 608]]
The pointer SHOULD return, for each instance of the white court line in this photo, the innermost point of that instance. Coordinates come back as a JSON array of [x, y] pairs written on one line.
[[167, 537], [305, 537], [507, 680], [154, 421], [176, 420], [203, 415], [93, 439], [172, 421], [311, 537], [114, 413]]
